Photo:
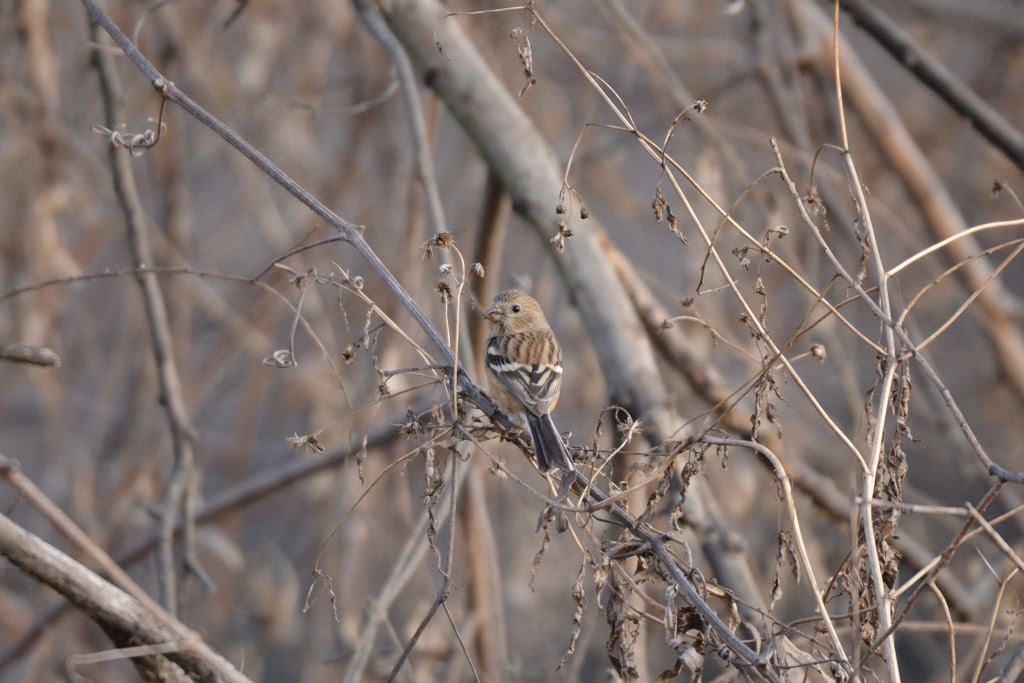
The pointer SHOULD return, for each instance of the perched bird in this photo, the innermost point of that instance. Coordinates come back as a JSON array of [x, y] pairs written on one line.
[[524, 363]]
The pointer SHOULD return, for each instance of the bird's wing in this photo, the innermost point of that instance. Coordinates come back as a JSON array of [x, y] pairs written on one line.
[[536, 375]]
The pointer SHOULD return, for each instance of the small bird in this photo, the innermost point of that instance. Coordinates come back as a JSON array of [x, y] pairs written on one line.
[[524, 362]]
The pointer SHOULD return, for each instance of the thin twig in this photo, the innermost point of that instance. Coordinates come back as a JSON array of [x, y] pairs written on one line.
[[996, 537], [993, 468], [994, 615], [413, 551], [935, 569], [884, 393], [952, 238], [352, 232], [950, 629], [805, 560], [298, 250], [971, 299], [999, 308], [180, 483], [370, 15], [446, 574], [943, 82], [759, 328], [462, 643], [26, 353]]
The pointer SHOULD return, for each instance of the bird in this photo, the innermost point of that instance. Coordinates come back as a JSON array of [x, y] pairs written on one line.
[[524, 363]]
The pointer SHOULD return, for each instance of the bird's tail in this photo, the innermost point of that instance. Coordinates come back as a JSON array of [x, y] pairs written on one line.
[[551, 452]]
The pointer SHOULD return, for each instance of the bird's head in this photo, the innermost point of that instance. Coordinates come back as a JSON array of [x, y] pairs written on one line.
[[513, 311]]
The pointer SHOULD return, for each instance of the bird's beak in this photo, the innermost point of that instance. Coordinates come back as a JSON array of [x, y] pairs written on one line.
[[493, 314]]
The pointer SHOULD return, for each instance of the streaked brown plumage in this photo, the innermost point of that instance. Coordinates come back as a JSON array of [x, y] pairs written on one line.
[[524, 363]]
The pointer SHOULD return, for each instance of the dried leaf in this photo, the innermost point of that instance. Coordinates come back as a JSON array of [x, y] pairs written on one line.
[[579, 596]]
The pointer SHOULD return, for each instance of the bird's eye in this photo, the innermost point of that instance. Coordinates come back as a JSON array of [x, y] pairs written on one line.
[[516, 308]]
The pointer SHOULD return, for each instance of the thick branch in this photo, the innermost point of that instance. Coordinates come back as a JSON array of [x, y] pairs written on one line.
[[933, 73], [516, 151], [111, 607]]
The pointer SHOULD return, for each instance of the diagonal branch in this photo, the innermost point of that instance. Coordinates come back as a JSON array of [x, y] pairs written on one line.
[[993, 468], [632, 374], [180, 493], [110, 606], [351, 231], [933, 73]]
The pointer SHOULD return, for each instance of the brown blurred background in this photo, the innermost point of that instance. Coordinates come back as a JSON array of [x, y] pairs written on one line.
[[311, 88]]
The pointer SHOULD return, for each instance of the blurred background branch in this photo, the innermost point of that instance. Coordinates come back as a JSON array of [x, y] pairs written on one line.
[[616, 164]]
